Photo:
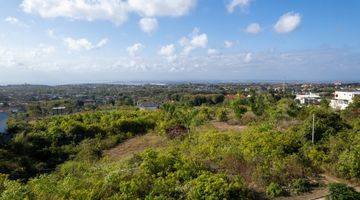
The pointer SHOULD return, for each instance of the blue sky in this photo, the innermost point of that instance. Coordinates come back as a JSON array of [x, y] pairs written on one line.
[[73, 41]]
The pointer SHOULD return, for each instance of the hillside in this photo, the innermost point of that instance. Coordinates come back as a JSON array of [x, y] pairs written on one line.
[[252, 148]]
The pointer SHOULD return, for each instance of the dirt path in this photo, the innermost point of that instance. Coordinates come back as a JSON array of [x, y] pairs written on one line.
[[332, 179], [223, 126], [320, 193], [135, 145]]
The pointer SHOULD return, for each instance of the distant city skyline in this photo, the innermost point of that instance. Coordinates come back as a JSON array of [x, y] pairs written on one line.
[[96, 41]]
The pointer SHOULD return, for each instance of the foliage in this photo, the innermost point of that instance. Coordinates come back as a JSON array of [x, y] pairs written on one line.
[[274, 190], [238, 107], [62, 157], [339, 191], [327, 123], [300, 185], [42, 145], [221, 115]]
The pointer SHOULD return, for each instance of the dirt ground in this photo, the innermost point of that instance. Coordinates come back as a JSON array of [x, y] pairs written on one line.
[[135, 145], [223, 126], [320, 193]]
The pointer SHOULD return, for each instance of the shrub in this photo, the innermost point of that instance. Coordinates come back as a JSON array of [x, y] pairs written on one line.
[[217, 186], [340, 191], [274, 190], [221, 115], [300, 185]]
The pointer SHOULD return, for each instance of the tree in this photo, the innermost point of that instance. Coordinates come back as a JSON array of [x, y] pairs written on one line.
[[257, 103], [327, 123], [238, 108]]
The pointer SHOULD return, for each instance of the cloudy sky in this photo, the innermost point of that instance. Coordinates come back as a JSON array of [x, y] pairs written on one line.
[[76, 41]]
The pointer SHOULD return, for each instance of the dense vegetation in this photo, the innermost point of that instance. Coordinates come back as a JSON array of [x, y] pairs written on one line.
[[61, 157]]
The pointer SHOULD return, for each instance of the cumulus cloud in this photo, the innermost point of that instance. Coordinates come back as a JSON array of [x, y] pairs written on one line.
[[253, 28], [10, 58], [83, 44], [135, 49], [111, 10], [288, 22], [15, 21], [116, 11], [243, 4], [148, 25], [324, 64], [229, 44], [153, 8], [168, 51], [194, 41]]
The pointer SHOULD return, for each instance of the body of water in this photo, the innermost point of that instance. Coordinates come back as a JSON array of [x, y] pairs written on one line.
[[3, 119]]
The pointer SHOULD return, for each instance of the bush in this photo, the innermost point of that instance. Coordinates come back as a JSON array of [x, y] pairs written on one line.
[[340, 191], [274, 190], [217, 186], [221, 115], [300, 185]]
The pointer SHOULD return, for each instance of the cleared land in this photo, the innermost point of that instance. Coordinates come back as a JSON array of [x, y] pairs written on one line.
[[135, 145]]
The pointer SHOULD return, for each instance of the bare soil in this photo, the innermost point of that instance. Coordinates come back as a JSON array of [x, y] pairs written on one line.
[[135, 145], [223, 126], [322, 192]]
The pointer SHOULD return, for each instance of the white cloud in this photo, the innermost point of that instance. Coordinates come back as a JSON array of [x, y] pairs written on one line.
[[115, 11], [111, 10], [135, 49], [194, 41], [238, 3], [83, 44], [212, 52], [152, 8], [287, 22], [248, 57], [15, 21], [102, 43], [148, 25], [25, 58], [18, 65], [199, 41], [253, 28], [229, 44], [168, 52], [12, 20]]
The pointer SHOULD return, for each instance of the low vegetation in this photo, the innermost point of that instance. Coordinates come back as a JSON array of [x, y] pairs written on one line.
[[62, 157]]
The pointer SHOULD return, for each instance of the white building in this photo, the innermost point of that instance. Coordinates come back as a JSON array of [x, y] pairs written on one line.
[[308, 98], [343, 99]]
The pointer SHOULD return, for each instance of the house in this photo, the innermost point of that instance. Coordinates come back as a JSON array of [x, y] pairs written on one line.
[[310, 98], [89, 102], [342, 99], [148, 106], [58, 110]]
